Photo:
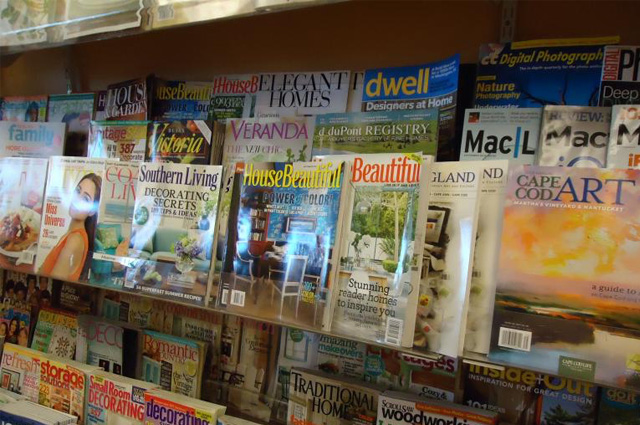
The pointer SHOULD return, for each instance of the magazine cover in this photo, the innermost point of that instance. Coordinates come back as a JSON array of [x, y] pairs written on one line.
[[395, 408], [286, 139], [451, 226], [76, 111], [618, 407], [114, 399], [501, 133], [127, 100], [161, 405], [173, 230], [68, 228], [233, 96], [535, 73], [316, 398], [100, 16], [302, 93], [620, 82], [22, 182], [184, 142], [31, 139], [426, 86], [20, 371], [173, 363], [24, 108], [19, 307], [574, 136], [99, 113], [340, 356], [121, 140], [281, 256], [110, 255], [181, 100], [56, 333], [567, 275], [624, 137], [523, 397], [485, 255], [376, 132], [80, 299], [379, 267], [356, 87]]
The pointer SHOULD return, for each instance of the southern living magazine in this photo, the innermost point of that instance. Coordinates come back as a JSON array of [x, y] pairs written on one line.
[[379, 271], [122, 140], [173, 230], [24, 108], [114, 399], [173, 363], [127, 100], [566, 299], [447, 257], [56, 333], [181, 100], [234, 96], [31, 139], [485, 258], [165, 408], [316, 398], [501, 133], [523, 397], [574, 136], [285, 139], [281, 254], [426, 86], [76, 111], [302, 93], [22, 182], [395, 408], [624, 138], [110, 255], [180, 141], [68, 228], [620, 82], [618, 407], [100, 16], [376, 132], [20, 371], [535, 73]]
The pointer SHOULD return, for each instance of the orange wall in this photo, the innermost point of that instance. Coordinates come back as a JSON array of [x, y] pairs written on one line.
[[351, 35]]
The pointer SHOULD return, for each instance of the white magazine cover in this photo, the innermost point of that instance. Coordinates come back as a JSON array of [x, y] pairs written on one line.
[[31, 139], [234, 96], [624, 138]]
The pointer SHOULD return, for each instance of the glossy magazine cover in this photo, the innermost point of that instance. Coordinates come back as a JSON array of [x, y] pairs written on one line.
[[620, 83], [31, 139], [76, 111], [234, 96], [180, 141], [120, 140], [24, 108], [179, 100], [624, 137]]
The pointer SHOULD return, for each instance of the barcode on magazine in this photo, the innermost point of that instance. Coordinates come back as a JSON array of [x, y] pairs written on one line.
[[237, 298], [393, 335], [514, 338], [225, 297], [165, 12]]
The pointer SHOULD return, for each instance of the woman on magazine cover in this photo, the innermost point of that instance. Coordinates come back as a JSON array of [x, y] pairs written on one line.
[[69, 259]]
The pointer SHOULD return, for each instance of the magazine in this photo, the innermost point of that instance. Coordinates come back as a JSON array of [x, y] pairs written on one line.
[[161, 405], [127, 100], [71, 297], [379, 269], [76, 111], [24, 108], [340, 356], [121, 140], [624, 138], [181, 100], [501, 133], [356, 86], [620, 81], [174, 364], [183, 141], [376, 132], [56, 333], [618, 406], [523, 397], [100, 16], [426, 86], [70, 215], [395, 408], [535, 73], [485, 259], [567, 274], [281, 258], [110, 255], [316, 398], [113, 399], [22, 182], [574, 136], [234, 96], [451, 226], [99, 112], [302, 93], [267, 140], [31, 139], [20, 371], [19, 308], [173, 230]]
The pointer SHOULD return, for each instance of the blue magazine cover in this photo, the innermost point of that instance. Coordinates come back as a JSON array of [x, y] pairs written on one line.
[[181, 100]]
